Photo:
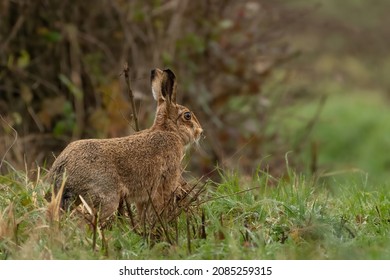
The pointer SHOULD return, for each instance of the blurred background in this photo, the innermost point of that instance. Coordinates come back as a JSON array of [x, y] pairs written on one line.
[[276, 83]]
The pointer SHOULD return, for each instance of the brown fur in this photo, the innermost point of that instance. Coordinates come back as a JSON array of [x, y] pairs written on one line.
[[139, 168]]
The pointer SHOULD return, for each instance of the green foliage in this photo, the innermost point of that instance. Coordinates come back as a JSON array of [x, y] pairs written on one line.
[[257, 218]]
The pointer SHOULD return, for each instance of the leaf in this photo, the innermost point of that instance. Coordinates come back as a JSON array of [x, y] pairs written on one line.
[[51, 36], [26, 93], [77, 92], [23, 60]]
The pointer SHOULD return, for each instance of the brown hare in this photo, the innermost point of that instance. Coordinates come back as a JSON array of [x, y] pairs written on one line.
[[142, 168]]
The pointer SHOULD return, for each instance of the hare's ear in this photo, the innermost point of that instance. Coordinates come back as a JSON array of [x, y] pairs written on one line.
[[163, 85], [156, 79], [169, 85]]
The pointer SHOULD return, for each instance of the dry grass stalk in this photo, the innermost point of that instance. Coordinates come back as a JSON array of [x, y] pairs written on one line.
[[8, 224], [54, 206]]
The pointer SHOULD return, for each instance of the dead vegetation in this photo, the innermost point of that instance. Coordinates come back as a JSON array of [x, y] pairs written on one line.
[[60, 68]]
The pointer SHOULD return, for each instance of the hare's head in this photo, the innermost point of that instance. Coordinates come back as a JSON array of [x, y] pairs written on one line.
[[171, 116]]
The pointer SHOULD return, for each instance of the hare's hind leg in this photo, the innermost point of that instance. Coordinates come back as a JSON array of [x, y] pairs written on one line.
[[107, 206], [69, 200], [100, 202]]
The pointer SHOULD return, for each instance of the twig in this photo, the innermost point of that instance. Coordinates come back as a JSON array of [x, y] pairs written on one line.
[[13, 143], [310, 125], [14, 31], [203, 234], [159, 218], [128, 206], [127, 79], [188, 233], [186, 205]]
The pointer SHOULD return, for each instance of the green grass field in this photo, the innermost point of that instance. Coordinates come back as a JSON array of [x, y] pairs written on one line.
[[259, 218]]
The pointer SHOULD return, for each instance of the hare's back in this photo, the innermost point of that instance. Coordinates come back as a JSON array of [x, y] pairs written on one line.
[[149, 148], [146, 158], [82, 159]]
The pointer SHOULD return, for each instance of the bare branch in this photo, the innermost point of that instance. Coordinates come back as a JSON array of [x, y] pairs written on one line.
[[13, 143], [127, 79]]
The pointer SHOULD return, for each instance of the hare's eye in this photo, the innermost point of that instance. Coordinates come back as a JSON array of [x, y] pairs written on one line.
[[187, 116]]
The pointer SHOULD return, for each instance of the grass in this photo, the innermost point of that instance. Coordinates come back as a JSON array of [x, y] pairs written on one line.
[[258, 218], [350, 132]]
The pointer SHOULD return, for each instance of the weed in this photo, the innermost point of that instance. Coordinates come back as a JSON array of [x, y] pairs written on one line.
[[294, 218]]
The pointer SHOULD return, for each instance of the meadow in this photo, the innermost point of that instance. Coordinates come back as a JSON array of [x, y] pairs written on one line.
[[262, 217]]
